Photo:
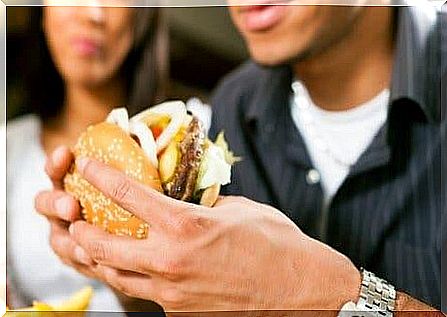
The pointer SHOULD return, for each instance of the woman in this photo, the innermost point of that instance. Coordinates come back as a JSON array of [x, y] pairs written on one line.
[[90, 60]]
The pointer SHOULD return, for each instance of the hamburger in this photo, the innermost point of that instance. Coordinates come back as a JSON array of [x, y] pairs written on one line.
[[163, 147]]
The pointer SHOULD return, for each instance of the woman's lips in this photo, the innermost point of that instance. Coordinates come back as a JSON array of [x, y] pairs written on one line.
[[86, 47], [261, 17]]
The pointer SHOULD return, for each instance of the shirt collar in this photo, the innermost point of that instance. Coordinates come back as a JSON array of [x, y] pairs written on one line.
[[274, 90], [415, 68]]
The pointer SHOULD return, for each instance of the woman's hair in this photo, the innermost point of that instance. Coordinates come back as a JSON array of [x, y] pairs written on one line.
[[145, 68]]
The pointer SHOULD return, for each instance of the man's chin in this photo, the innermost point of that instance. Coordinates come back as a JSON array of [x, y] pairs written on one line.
[[268, 56], [267, 60], [274, 61]]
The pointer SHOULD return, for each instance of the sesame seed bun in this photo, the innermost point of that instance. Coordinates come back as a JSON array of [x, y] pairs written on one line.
[[108, 143]]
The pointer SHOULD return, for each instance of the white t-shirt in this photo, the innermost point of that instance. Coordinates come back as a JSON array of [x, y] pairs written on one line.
[[336, 139], [37, 272]]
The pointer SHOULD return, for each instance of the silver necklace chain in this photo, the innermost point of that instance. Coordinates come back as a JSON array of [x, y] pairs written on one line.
[[302, 104]]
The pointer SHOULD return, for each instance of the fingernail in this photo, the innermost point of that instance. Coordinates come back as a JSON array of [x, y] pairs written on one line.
[[71, 229], [82, 257], [81, 163], [63, 207], [58, 154]]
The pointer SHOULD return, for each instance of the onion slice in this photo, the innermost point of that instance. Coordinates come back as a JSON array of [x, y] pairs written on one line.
[[146, 139], [120, 117], [176, 110]]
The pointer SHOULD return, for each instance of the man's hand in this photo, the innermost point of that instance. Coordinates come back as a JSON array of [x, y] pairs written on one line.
[[239, 255]]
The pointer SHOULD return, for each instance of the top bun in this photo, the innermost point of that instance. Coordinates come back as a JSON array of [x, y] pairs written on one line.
[[108, 143]]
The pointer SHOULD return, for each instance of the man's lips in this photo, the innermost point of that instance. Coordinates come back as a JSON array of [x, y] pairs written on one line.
[[248, 3], [256, 18]]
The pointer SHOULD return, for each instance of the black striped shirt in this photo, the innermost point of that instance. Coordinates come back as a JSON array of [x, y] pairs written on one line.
[[387, 215]]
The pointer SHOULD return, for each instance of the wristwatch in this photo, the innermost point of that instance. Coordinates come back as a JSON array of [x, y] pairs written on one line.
[[377, 299]]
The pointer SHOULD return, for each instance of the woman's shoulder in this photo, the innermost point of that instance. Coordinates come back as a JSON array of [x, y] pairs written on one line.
[[22, 132], [23, 125]]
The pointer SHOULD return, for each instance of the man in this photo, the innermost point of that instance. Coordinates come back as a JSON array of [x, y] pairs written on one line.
[[340, 130]]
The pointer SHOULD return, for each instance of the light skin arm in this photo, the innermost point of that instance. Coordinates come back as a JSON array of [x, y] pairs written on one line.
[[197, 259], [405, 303]]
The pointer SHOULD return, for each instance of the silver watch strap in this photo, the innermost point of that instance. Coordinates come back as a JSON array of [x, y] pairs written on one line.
[[376, 295]]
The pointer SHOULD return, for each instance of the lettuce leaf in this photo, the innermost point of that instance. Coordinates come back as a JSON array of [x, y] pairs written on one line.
[[216, 164], [229, 155]]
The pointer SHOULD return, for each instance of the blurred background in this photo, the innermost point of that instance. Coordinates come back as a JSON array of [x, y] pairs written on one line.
[[67, 67], [203, 47]]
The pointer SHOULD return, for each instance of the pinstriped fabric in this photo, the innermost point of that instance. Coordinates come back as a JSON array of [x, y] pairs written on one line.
[[443, 241], [387, 215]]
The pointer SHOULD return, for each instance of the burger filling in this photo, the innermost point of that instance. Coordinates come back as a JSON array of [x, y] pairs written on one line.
[[188, 162], [183, 182]]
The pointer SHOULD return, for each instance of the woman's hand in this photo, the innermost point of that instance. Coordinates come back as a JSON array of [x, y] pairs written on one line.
[[61, 209], [239, 255]]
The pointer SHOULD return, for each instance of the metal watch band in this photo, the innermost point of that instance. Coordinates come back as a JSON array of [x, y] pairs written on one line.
[[376, 295], [377, 299]]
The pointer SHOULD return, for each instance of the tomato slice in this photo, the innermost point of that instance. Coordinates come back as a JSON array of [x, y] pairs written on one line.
[[156, 131]]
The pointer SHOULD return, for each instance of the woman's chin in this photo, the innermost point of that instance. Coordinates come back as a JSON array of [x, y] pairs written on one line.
[[88, 80]]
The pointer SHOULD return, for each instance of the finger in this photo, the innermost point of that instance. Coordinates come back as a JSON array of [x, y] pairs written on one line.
[[119, 252], [66, 247], [221, 200], [57, 204], [229, 200], [142, 201], [85, 270], [58, 164], [130, 283]]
